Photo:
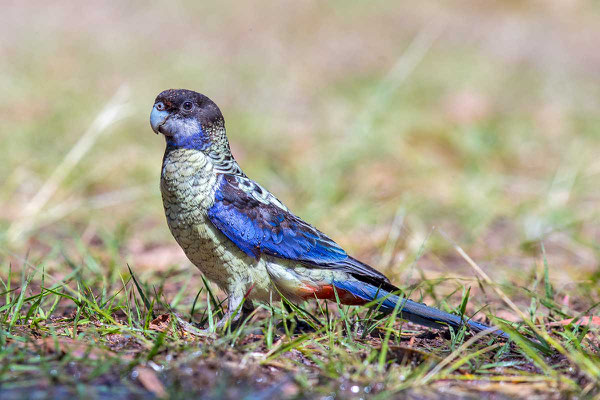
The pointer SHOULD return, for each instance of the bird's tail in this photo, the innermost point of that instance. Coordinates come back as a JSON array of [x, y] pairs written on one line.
[[408, 309]]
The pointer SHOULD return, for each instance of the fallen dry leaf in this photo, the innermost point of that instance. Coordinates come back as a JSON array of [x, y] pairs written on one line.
[[160, 323], [150, 381]]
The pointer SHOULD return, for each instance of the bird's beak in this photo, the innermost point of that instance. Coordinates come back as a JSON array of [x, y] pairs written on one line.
[[157, 119]]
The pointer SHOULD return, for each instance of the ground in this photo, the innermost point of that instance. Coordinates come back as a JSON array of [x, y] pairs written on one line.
[[452, 146]]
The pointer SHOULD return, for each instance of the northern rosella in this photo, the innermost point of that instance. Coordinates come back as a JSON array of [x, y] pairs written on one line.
[[243, 238]]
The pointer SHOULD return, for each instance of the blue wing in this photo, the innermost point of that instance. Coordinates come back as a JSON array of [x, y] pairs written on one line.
[[258, 223]]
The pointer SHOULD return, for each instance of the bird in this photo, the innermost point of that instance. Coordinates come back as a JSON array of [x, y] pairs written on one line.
[[244, 239]]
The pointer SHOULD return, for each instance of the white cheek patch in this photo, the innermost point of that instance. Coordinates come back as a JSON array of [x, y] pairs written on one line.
[[184, 127], [188, 127]]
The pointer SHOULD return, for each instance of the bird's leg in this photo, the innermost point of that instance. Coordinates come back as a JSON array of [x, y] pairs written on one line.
[[234, 320], [247, 309], [299, 325], [234, 314]]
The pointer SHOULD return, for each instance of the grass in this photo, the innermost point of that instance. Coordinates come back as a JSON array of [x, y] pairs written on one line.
[[451, 146], [96, 333]]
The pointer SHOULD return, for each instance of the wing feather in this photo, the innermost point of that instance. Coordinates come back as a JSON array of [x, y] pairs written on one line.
[[258, 223]]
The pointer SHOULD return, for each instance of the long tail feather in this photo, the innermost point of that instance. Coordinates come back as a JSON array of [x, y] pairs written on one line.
[[410, 310]]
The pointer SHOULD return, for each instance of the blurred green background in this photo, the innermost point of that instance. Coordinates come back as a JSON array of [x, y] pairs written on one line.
[[382, 123]]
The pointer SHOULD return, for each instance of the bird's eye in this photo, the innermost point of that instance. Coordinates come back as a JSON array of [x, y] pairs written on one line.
[[160, 106], [187, 106]]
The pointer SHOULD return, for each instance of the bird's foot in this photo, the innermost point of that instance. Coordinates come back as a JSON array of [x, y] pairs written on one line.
[[191, 329], [231, 320]]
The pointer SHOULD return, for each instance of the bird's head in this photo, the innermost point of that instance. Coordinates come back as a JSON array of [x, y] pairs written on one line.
[[188, 120]]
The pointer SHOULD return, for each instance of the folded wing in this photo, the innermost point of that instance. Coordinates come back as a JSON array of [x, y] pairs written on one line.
[[259, 224]]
